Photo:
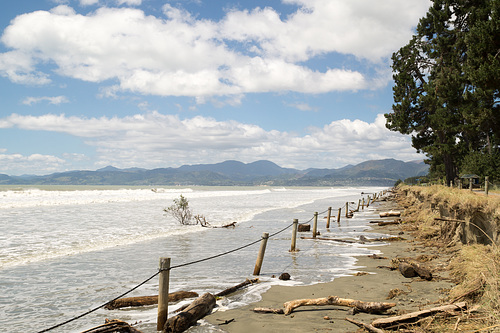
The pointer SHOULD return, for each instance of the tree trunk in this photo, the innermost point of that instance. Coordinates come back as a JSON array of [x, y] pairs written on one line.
[[148, 300], [198, 309], [369, 307]]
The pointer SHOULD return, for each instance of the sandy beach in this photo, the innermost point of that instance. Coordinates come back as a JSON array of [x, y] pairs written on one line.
[[412, 294]]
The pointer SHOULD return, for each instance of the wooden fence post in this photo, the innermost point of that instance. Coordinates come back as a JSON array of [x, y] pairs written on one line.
[[163, 293], [315, 224], [486, 185], [359, 203], [262, 251], [294, 235], [338, 215], [363, 204], [368, 201], [347, 209], [328, 217], [470, 184]]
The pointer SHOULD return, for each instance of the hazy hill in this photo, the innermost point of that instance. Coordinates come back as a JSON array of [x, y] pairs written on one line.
[[380, 172]]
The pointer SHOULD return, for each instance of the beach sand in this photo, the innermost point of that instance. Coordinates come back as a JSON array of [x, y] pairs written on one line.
[[417, 293]]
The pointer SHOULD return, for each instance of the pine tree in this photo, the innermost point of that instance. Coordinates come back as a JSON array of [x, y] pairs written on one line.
[[446, 83]]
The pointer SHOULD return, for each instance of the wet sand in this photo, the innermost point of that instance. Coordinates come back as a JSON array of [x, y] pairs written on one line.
[[375, 286]]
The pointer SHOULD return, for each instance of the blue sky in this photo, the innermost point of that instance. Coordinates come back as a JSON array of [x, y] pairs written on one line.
[[149, 83]]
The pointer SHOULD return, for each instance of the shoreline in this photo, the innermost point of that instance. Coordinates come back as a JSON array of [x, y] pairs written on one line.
[[411, 294]]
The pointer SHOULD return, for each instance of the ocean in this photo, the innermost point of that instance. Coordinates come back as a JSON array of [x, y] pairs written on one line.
[[65, 250]]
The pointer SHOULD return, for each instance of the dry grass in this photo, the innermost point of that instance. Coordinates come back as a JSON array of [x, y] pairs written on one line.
[[475, 268]]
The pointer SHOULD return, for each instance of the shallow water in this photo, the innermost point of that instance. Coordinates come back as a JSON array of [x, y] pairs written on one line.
[[64, 251]]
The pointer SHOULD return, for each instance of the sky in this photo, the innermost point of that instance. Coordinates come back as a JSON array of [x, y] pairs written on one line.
[[162, 83]]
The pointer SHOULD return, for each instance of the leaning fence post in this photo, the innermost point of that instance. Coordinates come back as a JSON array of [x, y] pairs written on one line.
[[163, 293], [359, 203], [338, 215], [262, 250], [368, 201], [486, 185], [315, 224], [294, 235], [328, 217]]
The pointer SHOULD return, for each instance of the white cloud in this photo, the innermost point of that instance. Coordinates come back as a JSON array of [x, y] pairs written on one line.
[[129, 2], [51, 100], [18, 164], [180, 55], [157, 140], [88, 2], [301, 106]]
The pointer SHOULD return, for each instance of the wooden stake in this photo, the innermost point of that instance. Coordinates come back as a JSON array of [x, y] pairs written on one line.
[[486, 184], [347, 209], [328, 217], [294, 235], [338, 215], [262, 251], [363, 204], [315, 224], [163, 293]]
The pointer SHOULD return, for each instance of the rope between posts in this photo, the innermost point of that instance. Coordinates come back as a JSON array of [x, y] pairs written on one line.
[[170, 268], [156, 274]]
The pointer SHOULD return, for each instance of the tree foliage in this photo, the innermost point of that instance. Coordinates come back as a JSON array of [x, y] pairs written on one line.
[[447, 80], [180, 210]]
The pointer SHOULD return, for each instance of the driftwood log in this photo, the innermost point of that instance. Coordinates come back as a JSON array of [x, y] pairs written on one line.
[[304, 227], [411, 268], [368, 327], [390, 213], [331, 239], [237, 287], [148, 300], [113, 326], [198, 309], [414, 316], [369, 307], [268, 310]]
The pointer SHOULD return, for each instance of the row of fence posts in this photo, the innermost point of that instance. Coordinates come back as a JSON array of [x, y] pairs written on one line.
[[164, 268]]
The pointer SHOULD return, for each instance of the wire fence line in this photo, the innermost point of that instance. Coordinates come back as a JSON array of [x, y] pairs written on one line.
[[179, 266]]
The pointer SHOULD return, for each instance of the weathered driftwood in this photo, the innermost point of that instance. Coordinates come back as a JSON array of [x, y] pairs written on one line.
[[369, 307], [368, 327], [198, 309], [381, 224], [414, 316], [237, 287], [331, 239], [148, 300], [376, 256], [201, 220], [304, 228], [381, 239], [410, 268], [113, 326], [407, 270], [395, 213], [268, 310]]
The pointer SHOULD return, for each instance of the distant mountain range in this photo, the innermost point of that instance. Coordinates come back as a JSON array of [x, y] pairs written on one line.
[[376, 172]]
